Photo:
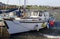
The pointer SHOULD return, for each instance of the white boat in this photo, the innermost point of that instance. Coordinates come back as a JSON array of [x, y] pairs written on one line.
[[28, 23], [34, 20]]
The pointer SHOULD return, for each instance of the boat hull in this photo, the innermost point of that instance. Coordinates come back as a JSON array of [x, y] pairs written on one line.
[[17, 26]]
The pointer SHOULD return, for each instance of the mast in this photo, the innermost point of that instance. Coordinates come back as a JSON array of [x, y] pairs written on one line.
[[24, 6], [19, 6], [24, 9], [24, 3]]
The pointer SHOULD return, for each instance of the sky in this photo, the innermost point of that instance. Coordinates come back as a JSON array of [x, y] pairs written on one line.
[[33, 2]]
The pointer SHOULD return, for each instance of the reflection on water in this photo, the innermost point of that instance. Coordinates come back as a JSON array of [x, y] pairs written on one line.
[[34, 34], [28, 35]]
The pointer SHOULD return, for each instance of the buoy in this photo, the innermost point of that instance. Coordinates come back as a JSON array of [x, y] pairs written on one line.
[[51, 23]]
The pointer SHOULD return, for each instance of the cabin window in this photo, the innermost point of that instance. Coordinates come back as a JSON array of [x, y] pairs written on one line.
[[40, 14], [28, 14], [35, 13]]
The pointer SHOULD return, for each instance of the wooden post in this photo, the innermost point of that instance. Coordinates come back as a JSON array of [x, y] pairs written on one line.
[[3, 32]]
